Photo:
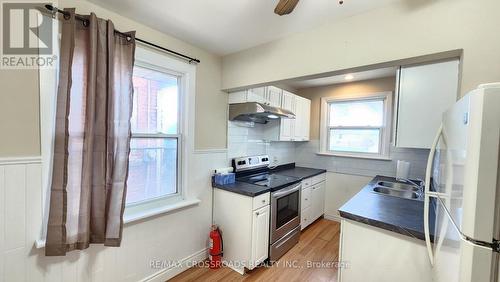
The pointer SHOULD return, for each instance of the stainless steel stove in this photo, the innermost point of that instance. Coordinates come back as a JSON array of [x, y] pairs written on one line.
[[285, 201], [271, 180]]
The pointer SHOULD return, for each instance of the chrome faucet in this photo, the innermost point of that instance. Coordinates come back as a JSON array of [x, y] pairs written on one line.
[[420, 186]]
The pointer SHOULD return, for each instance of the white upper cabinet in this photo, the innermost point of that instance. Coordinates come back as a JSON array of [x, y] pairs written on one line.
[[424, 93], [295, 129], [303, 118], [257, 95], [273, 96], [268, 95], [285, 129], [287, 126]]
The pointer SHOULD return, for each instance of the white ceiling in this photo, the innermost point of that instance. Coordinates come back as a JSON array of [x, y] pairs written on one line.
[[227, 26], [358, 76]]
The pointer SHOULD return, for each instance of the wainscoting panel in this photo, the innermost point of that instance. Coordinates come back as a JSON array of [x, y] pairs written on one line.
[[178, 237]]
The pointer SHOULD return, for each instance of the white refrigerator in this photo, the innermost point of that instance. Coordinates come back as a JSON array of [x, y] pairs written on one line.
[[462, 193]]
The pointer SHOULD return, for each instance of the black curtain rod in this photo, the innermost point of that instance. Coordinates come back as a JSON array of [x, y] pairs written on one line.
[[85, 21]]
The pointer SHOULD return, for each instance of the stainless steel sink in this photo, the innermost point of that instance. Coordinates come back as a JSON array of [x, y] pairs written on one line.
[[398, 185], [407, 194]]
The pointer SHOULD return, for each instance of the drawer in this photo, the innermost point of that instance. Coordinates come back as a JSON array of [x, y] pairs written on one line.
[[261, 200], [306, 182], [305, 198], [318, 178]]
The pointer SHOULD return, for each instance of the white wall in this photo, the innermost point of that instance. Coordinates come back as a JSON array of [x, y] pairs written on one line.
[[19, 102], [401, 30], [179, 235]]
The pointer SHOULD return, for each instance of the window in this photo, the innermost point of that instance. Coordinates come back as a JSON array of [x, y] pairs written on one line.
[[356, 127], [154, 147]]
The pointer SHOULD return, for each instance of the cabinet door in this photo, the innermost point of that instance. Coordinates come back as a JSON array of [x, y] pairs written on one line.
[[303, 109], [306, 122], [273, 96], [425, 92], [305, 198], [299, 117], [288, 101], [257, 95], [260, 236], [305, 218], [238, 97], [287, 129], [317, 200]]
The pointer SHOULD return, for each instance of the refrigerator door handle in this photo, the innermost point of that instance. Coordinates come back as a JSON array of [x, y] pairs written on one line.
[[428, 194]]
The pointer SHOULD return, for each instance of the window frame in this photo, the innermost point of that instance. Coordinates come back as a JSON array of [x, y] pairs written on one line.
[[178, 137], [385, 129], [148, 57]]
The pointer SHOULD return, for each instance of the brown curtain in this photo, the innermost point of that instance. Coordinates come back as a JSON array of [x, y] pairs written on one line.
[[92, 135]]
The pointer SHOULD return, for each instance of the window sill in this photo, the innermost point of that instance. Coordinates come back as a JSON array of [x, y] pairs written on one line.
[[140, 215], [137, 215], [380, 158]]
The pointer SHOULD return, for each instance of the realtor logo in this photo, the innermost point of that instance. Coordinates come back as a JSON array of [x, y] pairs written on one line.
[[27, 35]]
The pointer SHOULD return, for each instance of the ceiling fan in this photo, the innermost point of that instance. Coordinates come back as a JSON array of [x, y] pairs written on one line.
[[285, 7]]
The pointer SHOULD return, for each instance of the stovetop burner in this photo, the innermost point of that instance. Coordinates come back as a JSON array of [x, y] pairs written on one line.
[[270, 180]]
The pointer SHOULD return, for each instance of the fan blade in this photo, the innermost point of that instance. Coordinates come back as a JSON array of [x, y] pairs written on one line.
[[285, 7]]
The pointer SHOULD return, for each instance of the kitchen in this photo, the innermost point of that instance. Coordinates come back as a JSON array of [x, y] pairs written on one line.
[[390, 206], [326, 141]]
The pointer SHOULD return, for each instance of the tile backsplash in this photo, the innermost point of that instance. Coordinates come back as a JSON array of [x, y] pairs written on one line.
[[247, 139], [306, 156]]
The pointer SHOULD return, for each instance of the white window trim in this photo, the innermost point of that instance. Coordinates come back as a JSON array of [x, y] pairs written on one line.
[[386, 128], [151, 58], [142, 60]]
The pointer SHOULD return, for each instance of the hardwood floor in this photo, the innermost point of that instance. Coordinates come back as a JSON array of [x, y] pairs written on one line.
[[318, 243]]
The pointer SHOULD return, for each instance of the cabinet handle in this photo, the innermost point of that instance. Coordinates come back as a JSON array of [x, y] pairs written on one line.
[[257, 213], [263, 201], [306, 199]]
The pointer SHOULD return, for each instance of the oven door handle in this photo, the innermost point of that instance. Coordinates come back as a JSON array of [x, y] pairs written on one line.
[[288, 191]]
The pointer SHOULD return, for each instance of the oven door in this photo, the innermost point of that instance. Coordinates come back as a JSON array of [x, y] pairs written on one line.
[[285, 211]]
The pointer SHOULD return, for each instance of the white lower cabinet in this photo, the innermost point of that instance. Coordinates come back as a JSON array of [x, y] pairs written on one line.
[[369, 253], [312, 199], [260, 235], [305, 218], [244, 225], [317, 200]]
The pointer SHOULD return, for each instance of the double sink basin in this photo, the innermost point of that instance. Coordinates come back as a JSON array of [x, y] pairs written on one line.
[[399, 189]]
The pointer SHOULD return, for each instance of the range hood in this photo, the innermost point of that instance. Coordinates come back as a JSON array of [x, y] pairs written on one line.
[[257, 112]]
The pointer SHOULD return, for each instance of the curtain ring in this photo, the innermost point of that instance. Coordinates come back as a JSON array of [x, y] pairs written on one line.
[[129, 38], [86, 23], [67, 16]]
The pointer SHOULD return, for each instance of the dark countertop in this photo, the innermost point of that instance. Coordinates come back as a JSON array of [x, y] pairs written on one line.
[[299, 172], [403, 216], [243, 188], [252, 190]]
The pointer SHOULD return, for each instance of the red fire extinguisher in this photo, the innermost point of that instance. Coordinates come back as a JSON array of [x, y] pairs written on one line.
[[215, 248]]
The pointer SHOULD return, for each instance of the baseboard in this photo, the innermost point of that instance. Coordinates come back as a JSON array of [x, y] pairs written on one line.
[[332, 217], [185, 263]]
